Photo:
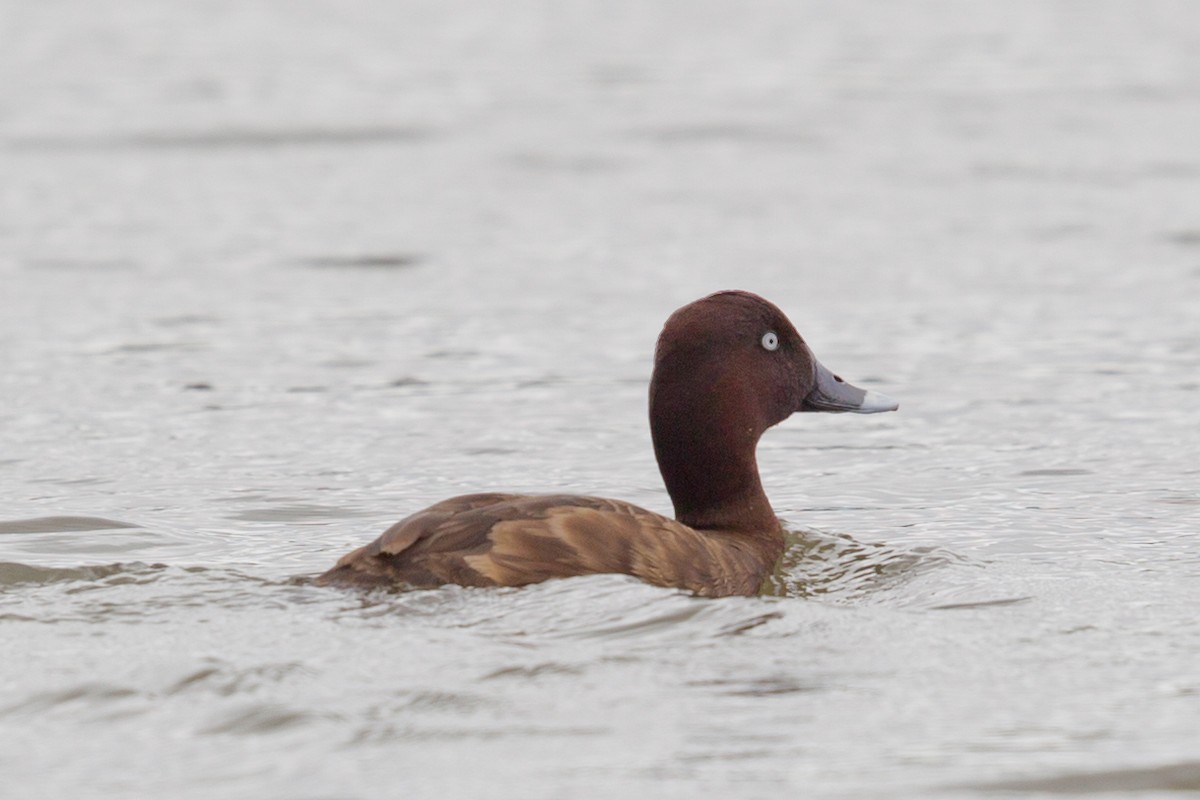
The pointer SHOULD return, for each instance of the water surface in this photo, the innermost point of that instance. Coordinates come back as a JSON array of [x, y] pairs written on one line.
[[277, 274]]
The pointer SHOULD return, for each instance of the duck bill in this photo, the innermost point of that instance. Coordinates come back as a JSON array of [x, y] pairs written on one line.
[[831, 393]]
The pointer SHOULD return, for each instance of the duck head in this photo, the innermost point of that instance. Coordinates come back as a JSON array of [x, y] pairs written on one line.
[[726, 368]]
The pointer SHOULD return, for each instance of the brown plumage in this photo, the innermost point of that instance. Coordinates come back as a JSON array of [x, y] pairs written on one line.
[[513, 540], [727, 367]]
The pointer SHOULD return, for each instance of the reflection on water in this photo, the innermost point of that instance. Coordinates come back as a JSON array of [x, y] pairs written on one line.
[[12, 574], [835, 567], [1184, 777], [60, 525]]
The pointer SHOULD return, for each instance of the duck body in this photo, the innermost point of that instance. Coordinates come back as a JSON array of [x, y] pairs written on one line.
[[727, 367], [516, 540]]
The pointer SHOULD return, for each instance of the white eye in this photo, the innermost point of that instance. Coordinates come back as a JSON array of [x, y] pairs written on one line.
[[770, 341]]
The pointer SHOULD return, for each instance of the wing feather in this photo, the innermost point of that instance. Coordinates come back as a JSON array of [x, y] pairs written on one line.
[[514, 540]]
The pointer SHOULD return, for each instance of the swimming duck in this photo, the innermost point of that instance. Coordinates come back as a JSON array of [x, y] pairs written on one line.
[[726, 368]]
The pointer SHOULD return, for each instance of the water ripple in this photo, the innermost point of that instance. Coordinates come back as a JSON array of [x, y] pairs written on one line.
[[227, 139], [62, 525], [14, 574], [256, 719], [1181, 777], [837, 567]]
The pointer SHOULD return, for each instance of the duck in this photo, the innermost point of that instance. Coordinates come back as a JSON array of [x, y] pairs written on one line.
[[727, 367]]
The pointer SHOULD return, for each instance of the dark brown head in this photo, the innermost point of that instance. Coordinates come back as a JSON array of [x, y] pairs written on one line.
[[726, 368]]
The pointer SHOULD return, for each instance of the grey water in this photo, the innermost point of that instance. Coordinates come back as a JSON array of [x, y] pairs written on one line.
[[275, 274]]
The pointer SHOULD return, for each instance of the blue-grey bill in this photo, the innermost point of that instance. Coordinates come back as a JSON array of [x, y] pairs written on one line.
[[831, 393]]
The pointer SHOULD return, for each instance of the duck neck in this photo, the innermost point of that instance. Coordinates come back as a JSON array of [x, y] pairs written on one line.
[[706, 454]]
